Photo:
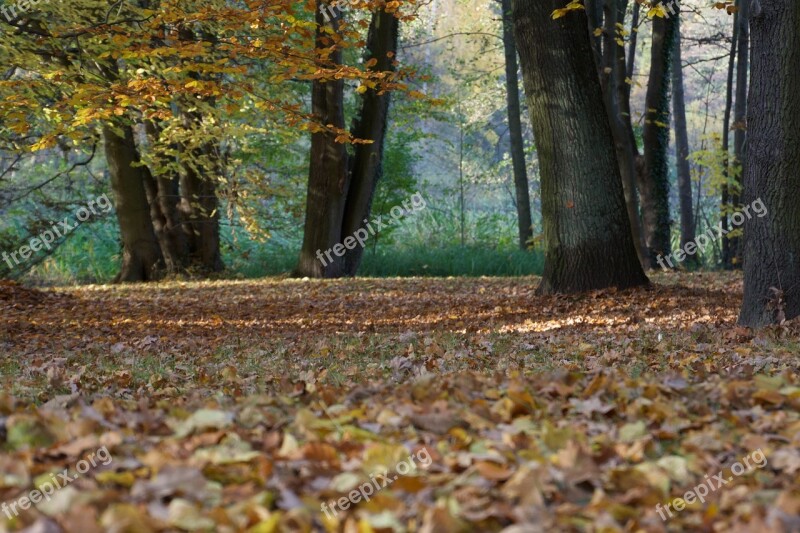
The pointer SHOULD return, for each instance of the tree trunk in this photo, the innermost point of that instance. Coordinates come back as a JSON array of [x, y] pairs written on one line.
[[328, 179], [588, 242], [366, 163], [740, 117], [631, 61], [201, 167], [524, 219], [654, 185], [141, 256], [726, 123], [200, 208], [616, 93], [772, 242], [682, 148], [163, 196]]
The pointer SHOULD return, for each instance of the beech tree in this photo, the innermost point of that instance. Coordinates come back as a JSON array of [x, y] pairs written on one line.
[[588, 242], [341, 187], [772, 242]]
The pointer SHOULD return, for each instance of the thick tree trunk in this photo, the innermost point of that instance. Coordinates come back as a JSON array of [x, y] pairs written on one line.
[[682, 148], [141, 256], [366, 163], [328, 179], [654, 186], [588, 242], [740, 116], [772, 242], [726, 129], [524, 220]]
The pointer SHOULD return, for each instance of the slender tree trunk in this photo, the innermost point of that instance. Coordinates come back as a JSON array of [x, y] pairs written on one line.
[[524, 220], [594, 12], [367, 162], [613, 74], [163, 195], [141, 255], [328, 179], [772, 242], [726, 127], [654, 185], [588, 242], [200, 208], [201, 167], [624, 84], [682, 147], [632, 46], [740, 117]]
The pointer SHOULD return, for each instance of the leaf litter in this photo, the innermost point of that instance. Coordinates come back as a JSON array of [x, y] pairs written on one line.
[[246, 405]]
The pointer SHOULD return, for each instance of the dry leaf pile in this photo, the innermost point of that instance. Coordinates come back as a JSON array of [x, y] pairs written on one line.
[[244, 406]]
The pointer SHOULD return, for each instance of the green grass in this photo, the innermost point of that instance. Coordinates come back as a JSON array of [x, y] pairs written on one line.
[[394, 261]]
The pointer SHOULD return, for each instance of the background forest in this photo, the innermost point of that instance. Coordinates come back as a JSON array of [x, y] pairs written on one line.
[[225, 106], [516, 266]]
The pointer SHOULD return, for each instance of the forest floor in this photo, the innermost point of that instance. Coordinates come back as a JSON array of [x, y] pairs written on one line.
[[236, 405]]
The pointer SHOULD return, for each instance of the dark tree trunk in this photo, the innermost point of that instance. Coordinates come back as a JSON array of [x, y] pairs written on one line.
[[588, 242], [772, 242], [366, 163], [654, 186], [163, 196], [632, 46], [726, 128], [200, 209], [740, 116], [141, 256], [594, 12], [524, 220], [616, 93], [201, 167], [328, 179], [682, 148]]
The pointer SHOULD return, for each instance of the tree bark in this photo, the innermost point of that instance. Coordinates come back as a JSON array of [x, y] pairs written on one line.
[[524, 220], [740, 117], [200, 209], [141, 255], [616, 93], [772, 242], [366, 164], [726, 129], [588, 242], [163, 196], [654, 184], [201, 167], [328, 178], [682, 148]]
